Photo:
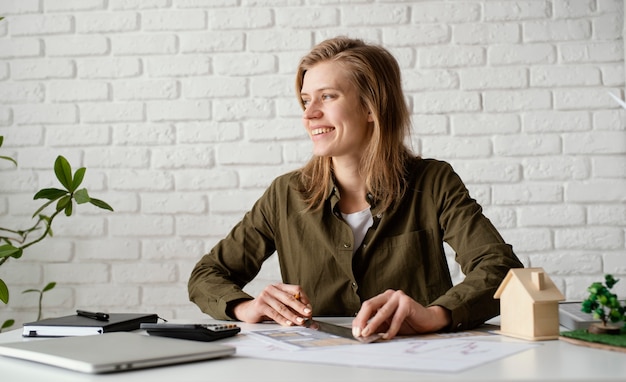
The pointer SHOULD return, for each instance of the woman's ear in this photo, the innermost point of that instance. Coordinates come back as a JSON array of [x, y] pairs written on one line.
[[370, 116]]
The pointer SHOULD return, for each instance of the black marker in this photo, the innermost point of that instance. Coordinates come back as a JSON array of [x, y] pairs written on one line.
[[95, 315]]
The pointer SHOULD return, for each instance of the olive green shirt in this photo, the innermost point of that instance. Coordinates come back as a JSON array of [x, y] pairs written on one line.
[[403, 250]]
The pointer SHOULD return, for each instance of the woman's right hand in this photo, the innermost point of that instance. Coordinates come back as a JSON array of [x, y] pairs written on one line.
[[286, 304]]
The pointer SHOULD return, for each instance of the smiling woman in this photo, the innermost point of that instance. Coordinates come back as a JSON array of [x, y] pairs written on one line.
[[359, 230]]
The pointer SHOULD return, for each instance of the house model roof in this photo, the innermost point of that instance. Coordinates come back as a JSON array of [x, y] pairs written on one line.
[[535, 282]]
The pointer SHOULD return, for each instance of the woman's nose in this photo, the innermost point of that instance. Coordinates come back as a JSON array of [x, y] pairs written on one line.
[[311, 111]]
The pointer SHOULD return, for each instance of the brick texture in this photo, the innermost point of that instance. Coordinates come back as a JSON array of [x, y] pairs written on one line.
[[183, 111]]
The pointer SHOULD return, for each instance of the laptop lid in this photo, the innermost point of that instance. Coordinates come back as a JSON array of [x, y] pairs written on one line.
[[110, 352]]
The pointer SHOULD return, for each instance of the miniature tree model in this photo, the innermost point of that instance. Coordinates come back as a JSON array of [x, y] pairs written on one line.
[[604, 306]]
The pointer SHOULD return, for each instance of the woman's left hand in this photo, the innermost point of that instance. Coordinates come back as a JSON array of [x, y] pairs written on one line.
[[393, 312]]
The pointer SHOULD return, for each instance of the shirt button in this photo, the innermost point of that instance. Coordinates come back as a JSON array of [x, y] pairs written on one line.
[[346, 245]]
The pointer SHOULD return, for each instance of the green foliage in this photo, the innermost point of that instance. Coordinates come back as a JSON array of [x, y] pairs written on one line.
[[603, 304], [13, 242]]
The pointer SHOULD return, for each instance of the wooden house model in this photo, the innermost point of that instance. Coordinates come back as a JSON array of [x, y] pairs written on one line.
[[529, 305]]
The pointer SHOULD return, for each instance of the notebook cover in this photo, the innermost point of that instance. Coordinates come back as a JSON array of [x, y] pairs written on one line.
[[75, 325]]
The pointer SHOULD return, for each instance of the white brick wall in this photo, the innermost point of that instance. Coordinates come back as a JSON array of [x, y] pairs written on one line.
[[183, 111]]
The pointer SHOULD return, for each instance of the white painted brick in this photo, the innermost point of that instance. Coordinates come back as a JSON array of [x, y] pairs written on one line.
[[216, 87], [429, 124], [551, 216], [165, 296], [307, 17], [244, 64], [60, 136], [375, 15], [208, 132], [30, 114], [601, 238], [444, 12], [177, 66], [546, 76], [73, 5], [20, 48], [608, 26], [568, 263], [457, 147], [172, 248], [83, 45], [487, 171], [108, 297], [173, 20], [297, 153], [556, 121], [413, 80], [80, 226], [21, 92], [23, 272], [271, 86], [203, 226], [268, 41], [43, 158], [483, 33], [516, 10], [128, 180], [451, 56], [260, 177], [585, 52], [237, 110], [145, 90], [612, 75], [73, 91], [596, 191], [568, 9], [109, 68], [557, 30], [522, 100], [148, 44], [446, 101], [4, 71], [141, 225], [615, 263], [175, 158], [481, 124], [240, 18], [137, 4], [144, 134], [76, 273], [5, 116], [176, 110], [528, 239], [172, 203], [513, 54], [121, 202], [600, 214], [493, 78], [609, 167], [502, 218], [257, 154], [233, 202], [18, 7], [111, 112], [556, 168], [526, 145], [212, 41], [31, 25], [596, 142], [117, 157], [587, 98], [416, 35], [143, 273], [107, 249], [287, 108], [528, 193], [281, 129]]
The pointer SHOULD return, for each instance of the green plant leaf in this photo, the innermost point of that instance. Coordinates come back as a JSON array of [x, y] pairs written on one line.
[[42, 207], [4, 292], [8, 250], [31, 291], [63, 171], [48, 287], [7, 323], [50, 194], [101, 204], [82, 196], [78, 178], [9, 159], [68, 209], [63, 202]]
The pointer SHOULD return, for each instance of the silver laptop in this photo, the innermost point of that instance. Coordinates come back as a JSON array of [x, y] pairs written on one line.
[[111, 352]]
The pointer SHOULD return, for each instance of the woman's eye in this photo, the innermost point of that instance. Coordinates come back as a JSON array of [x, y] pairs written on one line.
[[327, 96]]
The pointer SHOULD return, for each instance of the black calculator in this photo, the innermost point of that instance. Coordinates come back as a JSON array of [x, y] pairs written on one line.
[[195, 332]]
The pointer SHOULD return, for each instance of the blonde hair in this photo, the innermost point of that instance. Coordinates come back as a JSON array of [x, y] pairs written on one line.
[[375, 73]]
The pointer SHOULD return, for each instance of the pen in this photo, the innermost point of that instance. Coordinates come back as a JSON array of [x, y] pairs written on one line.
[[95, 315]]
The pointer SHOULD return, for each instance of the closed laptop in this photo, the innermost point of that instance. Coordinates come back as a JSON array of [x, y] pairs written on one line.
[[111, 352]]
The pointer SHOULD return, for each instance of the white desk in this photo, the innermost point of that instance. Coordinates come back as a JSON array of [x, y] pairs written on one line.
[[550, 361]]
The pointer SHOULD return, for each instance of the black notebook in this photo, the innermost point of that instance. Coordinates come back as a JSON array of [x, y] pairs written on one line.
[[76, 325]]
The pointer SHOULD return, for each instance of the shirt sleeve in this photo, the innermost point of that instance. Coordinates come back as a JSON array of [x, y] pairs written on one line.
[[484, 257], [219, 277]]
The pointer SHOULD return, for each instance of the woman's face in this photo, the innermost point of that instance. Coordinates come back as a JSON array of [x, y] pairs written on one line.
[[337, 122]]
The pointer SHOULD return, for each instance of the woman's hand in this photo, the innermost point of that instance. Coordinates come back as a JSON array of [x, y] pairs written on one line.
[[284, 303], [393, 312]]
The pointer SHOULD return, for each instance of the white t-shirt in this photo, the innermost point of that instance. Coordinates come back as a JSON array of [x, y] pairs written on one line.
[[360, 222]]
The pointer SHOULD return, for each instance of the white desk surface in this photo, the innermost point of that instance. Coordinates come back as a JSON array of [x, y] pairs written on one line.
[[550, 361]]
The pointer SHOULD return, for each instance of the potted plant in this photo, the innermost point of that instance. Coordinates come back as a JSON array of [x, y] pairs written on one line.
[[13, 242], [604, 306]]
